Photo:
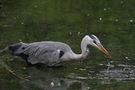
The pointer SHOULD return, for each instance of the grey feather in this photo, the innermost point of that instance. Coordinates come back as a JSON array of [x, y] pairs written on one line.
[[42, 52]]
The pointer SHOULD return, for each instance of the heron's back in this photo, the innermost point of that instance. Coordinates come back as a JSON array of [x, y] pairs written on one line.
[[51, 45], [46, 52]]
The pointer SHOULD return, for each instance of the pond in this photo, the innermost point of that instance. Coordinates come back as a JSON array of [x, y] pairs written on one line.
[[68, 21]]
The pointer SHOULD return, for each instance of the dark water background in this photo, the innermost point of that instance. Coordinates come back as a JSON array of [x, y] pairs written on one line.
[[113, 21]]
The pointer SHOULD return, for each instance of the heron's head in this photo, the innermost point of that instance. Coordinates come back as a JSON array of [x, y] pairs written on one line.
[[94, 41]]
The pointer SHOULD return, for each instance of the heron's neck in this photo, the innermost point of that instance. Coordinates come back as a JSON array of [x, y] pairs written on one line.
[[85, 51]]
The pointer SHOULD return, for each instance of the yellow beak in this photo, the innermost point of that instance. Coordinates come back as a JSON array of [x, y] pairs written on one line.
[[101, 48]]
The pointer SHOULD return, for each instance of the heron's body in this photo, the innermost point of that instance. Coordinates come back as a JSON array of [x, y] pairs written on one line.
[[49, 53]]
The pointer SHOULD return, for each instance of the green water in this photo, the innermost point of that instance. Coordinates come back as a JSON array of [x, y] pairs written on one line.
[[112, 21]]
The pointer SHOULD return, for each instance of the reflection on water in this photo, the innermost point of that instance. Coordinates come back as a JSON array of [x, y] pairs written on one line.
[[57, 84], [48, 81], [45, 80], [119, 72]]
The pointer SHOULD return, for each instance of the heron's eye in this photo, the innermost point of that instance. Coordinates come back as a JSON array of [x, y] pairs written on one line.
[[95, 42]]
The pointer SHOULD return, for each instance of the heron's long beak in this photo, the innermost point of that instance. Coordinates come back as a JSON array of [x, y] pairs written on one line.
[[101, 48]]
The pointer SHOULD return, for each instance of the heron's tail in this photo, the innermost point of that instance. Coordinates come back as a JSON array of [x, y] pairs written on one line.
[[15, 46], [17, 50], [12, 48]]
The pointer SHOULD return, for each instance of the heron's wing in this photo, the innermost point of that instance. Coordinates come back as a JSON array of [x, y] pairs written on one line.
[[43, 53]]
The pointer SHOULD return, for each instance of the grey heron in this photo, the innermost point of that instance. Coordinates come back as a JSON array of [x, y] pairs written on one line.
[[51, 53]]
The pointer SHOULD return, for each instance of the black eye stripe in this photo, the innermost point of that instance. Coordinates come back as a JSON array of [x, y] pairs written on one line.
[[92, 36]]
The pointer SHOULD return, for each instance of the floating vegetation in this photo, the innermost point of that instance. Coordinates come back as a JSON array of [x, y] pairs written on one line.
[[7, 67], [11, 71]]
